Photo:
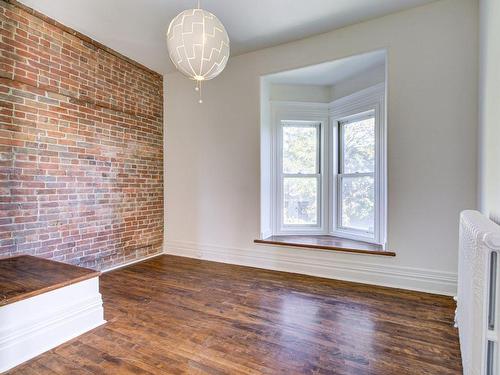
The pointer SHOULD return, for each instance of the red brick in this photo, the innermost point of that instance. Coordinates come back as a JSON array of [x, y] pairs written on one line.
[[83, 135]]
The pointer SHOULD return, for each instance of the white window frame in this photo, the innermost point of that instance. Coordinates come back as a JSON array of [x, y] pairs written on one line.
[[371, 100], [286, 113], [338, 229], [318, 176], [368, 101]]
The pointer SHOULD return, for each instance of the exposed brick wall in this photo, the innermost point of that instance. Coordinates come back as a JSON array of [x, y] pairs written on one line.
[[81, 155]]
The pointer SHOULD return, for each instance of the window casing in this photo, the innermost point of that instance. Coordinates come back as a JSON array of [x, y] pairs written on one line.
[[334, 127]]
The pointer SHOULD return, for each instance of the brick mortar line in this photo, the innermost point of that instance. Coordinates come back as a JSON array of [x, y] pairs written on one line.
[[80, 36], [77, 100]]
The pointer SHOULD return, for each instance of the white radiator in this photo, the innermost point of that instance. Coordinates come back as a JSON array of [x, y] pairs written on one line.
[[477, 315]]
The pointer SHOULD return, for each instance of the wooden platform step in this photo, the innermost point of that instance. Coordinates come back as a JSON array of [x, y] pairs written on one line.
[[26, 276], [44, 304]]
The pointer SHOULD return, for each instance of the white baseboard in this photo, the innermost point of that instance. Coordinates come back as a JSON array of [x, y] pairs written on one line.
[[37, 324], [122, 265], [322, 264]]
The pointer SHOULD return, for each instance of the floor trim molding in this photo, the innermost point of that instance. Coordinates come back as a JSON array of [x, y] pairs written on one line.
[[316, 264], [122, 265]]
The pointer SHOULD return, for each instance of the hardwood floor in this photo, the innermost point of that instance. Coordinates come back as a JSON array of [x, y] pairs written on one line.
[[172, 315]]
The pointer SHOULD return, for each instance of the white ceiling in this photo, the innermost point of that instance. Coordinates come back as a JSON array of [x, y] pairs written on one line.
[[137, 28], [330, 73]]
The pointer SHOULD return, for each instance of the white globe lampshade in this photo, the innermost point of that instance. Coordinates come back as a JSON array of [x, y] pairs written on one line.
[[198, 44]]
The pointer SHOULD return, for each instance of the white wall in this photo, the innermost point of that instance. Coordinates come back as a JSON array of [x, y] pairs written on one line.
[[361, 81], [301, 93], [328, 93], [213, 150], [489, 109], [265, 156]]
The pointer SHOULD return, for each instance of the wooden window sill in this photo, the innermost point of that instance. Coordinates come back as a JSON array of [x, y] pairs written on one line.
[[327, 243]]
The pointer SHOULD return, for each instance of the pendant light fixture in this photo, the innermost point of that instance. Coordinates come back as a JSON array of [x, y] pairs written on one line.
[[198, 45]]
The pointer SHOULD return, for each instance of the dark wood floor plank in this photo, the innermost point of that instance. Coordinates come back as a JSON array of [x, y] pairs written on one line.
[[173, 315]]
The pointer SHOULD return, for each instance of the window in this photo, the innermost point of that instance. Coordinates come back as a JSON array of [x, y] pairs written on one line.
[[300, 173], [329, 168], [356, 175]]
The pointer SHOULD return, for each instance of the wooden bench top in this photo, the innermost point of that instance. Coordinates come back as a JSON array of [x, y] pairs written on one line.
[[26, 276]]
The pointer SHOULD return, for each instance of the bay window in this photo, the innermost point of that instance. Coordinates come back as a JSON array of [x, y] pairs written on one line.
[[329, 168]]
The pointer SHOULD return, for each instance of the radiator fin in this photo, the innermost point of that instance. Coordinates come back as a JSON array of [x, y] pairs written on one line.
[[492, 291]]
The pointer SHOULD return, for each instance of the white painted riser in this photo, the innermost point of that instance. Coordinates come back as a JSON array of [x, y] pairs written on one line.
[[37, 324]]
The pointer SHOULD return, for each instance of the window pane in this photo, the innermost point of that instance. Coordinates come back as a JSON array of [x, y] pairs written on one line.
[[300, 200], [300, 149], [358, 203], [359, 146]]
